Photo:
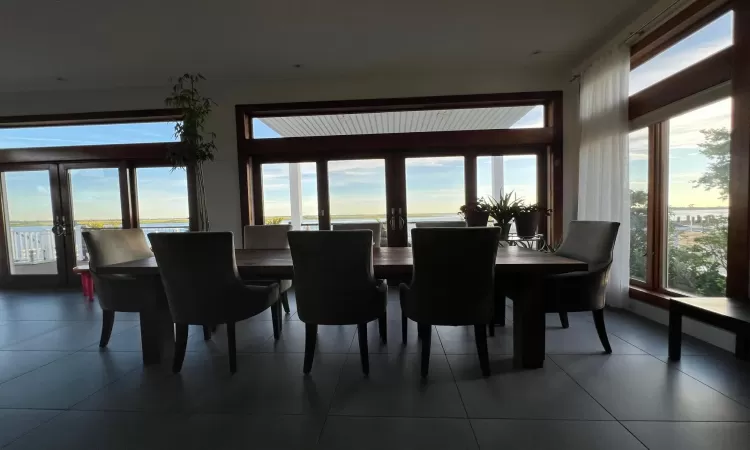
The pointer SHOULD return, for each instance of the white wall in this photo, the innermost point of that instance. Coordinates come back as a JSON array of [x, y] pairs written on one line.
[[222, 185]]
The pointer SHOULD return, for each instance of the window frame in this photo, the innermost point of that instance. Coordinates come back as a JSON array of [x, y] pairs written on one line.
[[691, 82]]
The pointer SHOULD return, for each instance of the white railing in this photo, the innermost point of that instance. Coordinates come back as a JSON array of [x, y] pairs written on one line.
[[38, 247]]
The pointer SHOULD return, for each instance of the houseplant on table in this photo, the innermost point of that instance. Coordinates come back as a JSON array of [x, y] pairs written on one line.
[[527, 220], [504, 210], [476, 214], [196, 145]]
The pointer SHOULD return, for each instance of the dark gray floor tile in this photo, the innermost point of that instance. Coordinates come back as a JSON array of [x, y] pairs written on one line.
[[395, 388], [581, 337], [692, 435], [15, 363], [73, 336], [377, 433], [250, 337], [14, 423], [331, 339], [553, 435], [460, 340], [66, 381], [268, 383], [546, 393], [14, 332], [103, 430], [394, 344], [727, 375], [640, 387], [239, 432], [50, 306]]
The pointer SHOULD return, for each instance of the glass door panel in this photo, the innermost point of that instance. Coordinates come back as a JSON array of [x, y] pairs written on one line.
[[162, 200], [357, 193], [290, 195], [509, 173], [434, 189], [94, 203], [33, 227]]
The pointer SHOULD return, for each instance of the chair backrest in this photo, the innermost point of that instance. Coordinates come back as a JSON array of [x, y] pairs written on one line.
[[115, 246], [590, 241], [198, 271], [442, 224], [333, 273], [375, 227], [265, 237], [454, 274]]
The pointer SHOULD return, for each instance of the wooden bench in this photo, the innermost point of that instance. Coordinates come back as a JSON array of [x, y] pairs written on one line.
[[726, 313]]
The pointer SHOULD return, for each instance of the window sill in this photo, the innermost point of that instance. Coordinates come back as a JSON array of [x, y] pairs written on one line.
[[658, 299]]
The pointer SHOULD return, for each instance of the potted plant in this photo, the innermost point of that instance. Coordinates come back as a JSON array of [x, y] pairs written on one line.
[[196, 144], [476, 214], [504, 210], [527, 220]]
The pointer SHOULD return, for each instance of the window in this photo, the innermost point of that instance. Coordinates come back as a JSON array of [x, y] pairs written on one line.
[[707, 41], [77, 135], [638, 203], [496, 118], [290, 195], [698, 200], [162, 199], [504, 174], [357, 190], [434, 189]]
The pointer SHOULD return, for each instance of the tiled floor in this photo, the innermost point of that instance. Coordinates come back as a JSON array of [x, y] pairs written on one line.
[[59, 391]]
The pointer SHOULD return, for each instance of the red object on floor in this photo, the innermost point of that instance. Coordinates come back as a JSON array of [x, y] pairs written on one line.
[[87, 282]]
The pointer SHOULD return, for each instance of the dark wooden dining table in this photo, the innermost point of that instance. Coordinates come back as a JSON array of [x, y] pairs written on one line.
[[526, 268]]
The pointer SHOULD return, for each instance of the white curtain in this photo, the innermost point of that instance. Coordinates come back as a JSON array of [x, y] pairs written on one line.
[[603, 184]]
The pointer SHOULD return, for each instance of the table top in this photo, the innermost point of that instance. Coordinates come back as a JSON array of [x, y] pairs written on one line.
[[387, 261]]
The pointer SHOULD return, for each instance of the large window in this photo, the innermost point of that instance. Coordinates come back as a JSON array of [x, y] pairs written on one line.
[[703, 43], [434, 188], [80, 135], [357, 190], [290, 195], [638, 203], [162, 199]]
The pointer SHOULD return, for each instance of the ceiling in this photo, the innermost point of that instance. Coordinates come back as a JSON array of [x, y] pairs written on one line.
[[47, 44]]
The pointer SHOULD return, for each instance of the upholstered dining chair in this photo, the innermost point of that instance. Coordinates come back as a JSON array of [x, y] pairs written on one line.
[[375, 227], [453, 284], [203, 287], [592, 242], [442, 224], [121, 293], [335, 285], [269, 237]]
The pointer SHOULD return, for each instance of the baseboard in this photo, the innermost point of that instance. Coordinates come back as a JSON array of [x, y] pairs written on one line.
[[707, 333]]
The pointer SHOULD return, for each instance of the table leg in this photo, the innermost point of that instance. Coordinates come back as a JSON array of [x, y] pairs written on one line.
[[528, 325], [157, 335]]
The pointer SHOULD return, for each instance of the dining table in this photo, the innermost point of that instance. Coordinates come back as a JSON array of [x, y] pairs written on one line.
[[525, 268]]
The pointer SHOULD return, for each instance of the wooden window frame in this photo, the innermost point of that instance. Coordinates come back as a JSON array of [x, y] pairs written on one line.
[[707, 74], [254, 152]]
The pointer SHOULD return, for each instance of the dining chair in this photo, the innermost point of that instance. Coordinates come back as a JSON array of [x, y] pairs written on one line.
[[121, 293], [203, 287], [335, 285], [269, 237], [592, 242], [442, 224], [375, 227], [453, 284]]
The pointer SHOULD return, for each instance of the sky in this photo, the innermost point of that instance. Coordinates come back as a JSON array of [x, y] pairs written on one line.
[[434, 185]]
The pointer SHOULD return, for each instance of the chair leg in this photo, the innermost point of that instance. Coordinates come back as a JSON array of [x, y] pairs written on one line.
[[500, 312], [481, 340], [602, 330], [363, 354], [383, 328], [675, 335], [108, 321], [232, 341], [181, 338], [206, 333], [564, 319], [404, 324], [424, 330], [285, 302], [311, 336], [276, 319]]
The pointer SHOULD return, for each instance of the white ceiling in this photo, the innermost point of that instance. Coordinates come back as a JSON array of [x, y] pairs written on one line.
[[98, 43]]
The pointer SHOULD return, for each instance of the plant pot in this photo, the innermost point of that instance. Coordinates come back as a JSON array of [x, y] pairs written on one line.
[[505, 231], [527, 224], [476, 218]]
